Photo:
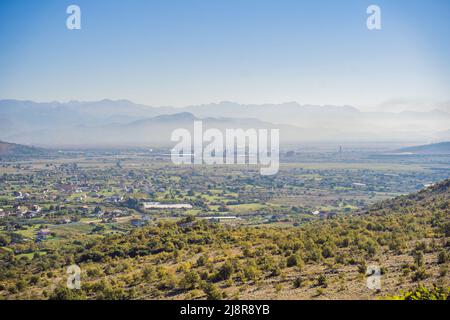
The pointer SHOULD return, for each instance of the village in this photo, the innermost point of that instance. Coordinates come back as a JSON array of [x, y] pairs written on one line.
[[114, 193]]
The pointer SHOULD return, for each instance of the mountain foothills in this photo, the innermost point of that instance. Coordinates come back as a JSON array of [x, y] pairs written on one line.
[[435, 148], [11, 150], [123, 123], [405, 238]]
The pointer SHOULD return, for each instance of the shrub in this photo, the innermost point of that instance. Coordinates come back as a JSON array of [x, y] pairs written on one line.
[[298, 282], [322, 281], [225, 272], [327, 252], [292, 261], [190, 280], [202, 260], [64, 293], [275, 271], [212, 292], [423, 293], [443, 257], [251, 272], [418, 258], [362, 267], [419, 275], [148, 273]]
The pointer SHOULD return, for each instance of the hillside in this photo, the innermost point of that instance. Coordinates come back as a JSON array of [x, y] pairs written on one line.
[[154, 131], [407, 238], [435, 148], [17, 150]]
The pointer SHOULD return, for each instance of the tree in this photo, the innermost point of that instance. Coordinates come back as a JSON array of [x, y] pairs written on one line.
[[294, 261], [418, 258], [202, 260], [132, 203], [443, 257], [212, 292], [322, 281], [251, 272], [298, 282], [190, 280], [148, 273], [225, 271], [4, 240]]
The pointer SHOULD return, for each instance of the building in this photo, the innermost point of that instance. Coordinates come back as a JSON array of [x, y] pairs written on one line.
[[42, 235], [221, 218], [157, 205], [138, 222]]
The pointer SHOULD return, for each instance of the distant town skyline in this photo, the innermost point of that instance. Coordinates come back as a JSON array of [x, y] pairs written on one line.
[[182, 53]]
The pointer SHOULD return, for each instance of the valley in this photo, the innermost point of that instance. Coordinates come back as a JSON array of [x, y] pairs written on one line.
[[141, 227]]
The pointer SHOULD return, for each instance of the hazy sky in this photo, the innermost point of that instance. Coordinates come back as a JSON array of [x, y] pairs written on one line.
[[167, 52]]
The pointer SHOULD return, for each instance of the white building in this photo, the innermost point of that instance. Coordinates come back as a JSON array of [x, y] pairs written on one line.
[[157, 205]]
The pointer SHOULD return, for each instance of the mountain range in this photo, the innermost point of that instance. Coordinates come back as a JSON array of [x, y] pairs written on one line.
[[122, 122]]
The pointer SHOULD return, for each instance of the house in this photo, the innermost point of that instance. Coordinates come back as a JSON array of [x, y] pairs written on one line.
[[42, 234], [327, 215], [138, 223], [17, 195], [323, 215], [157, 205], [64, 221], [119, 213], [360, 185], [21, 210], [222, 218], [115, 199]]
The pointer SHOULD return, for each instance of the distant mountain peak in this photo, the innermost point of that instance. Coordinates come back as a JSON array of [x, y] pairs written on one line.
[[167, 118], [184, 116]]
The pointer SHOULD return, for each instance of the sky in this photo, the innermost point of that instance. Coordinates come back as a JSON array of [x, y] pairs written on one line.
[[185, 52]]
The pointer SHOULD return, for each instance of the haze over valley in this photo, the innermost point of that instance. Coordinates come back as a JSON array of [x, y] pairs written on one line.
[[123, 123]]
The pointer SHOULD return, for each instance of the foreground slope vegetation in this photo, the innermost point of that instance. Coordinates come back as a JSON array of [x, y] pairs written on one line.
[[406, 239]]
